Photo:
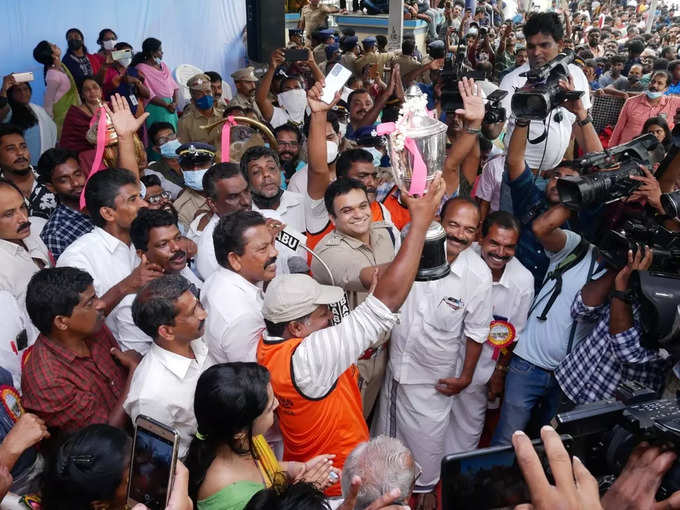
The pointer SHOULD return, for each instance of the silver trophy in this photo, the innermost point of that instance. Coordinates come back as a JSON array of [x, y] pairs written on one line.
[[428, 136], [417, 143]]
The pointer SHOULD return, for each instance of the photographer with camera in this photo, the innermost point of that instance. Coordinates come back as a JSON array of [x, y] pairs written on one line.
[[532, 194], [569, 261], [549, 139], [612, 353]]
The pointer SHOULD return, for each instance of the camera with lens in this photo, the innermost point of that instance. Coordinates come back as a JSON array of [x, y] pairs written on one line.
[[494, 112], [606, 432], [606, 175], [453, 71], [542, 93]]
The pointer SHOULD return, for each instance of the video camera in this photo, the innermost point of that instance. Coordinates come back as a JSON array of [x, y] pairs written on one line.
[[607, 431], [453, 71], [602, 434], [542, 93], [599, 185]]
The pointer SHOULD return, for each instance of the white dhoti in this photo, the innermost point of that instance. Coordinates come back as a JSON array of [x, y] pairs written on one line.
[[419, 416]]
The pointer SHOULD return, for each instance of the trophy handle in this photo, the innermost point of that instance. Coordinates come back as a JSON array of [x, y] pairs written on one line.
[[251, 122]]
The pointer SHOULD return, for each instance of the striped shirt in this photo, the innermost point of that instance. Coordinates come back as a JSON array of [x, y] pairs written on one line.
[[597, 365]]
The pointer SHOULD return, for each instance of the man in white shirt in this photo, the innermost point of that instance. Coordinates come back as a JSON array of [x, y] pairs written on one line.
[[262, 170], [244, 246], [425, 368], [155, 234], [108, 255], [164, 382], [22, 252], [548, 139], [512, 292], [228, 191]]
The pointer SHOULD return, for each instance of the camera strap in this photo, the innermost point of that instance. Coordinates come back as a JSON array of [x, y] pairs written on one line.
[[576, 256], [591, 269]]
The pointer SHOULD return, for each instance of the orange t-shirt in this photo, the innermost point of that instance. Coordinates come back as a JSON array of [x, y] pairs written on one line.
[[399, 213], [331, 424]]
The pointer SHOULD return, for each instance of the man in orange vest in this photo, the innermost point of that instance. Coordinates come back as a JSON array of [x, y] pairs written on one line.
[[312, 365]]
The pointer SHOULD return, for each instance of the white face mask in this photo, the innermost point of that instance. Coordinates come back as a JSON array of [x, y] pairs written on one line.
[[331, 151], [377, 155], [294, 102], [125, 61], [108, 45]]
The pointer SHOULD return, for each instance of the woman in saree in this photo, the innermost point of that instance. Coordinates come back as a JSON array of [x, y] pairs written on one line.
[[79, 120], [162, 86], [229, 460], [61, 91]]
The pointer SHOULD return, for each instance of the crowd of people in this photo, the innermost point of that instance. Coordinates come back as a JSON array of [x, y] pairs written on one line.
[[258, 292]]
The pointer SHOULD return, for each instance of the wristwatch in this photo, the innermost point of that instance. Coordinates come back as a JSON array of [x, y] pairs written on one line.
[[625, 296], [586, 121]]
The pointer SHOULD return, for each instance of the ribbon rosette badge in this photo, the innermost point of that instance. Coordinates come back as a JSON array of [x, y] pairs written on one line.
[[501, 335]]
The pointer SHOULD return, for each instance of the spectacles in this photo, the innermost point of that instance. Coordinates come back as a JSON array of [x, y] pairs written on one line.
[[165, 139], [156, 199]]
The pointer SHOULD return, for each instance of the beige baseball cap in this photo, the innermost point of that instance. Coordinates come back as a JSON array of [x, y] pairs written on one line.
[[245, 74], [291, 296]]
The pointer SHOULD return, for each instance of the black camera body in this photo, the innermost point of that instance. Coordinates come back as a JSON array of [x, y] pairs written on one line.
[[494, 112], [598, 185], [542, 93], [453, 71], [606, 432]]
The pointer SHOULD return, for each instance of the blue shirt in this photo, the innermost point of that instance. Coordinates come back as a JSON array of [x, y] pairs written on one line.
[[673, 89], [527, 197]]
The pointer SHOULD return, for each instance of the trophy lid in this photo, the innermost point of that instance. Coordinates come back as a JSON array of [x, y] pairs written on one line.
[[415, 121]]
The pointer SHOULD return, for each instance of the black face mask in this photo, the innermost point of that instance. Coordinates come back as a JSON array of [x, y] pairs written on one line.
[[75, 44], [266, 203]]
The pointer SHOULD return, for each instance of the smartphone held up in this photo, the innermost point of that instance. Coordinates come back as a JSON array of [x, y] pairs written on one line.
[[152, 467]]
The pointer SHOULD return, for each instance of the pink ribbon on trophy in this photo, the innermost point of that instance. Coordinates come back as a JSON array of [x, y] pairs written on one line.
[[99, 153], [226, 138], [419, 176]]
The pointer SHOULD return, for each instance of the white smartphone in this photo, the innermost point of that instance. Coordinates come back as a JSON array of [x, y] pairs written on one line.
[[335, 80], [22, 77], [152, 467], [121, 54]]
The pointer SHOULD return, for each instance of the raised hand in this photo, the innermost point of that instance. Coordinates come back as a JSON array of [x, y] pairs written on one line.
[[473, 103], [277, 58], [423, 209], [649, 190], [314, 98], [124, 122], [640, 261]]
